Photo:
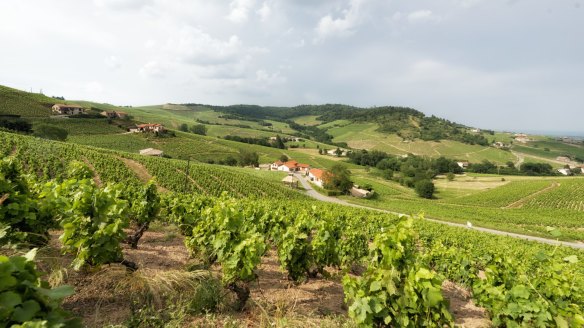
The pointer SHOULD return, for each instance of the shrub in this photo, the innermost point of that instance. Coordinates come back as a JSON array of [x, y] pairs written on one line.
[[425, 188]]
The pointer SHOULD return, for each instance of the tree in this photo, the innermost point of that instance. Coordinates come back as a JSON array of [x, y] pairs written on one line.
[[184, 127], [338, 152], [450, 176], [51, 132], [338, 178], [284, 158], [199, 129], [425, 188], [248, 158], [279, 143]]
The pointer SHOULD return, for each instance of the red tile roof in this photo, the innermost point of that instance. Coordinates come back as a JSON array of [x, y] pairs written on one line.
[[318, 173]]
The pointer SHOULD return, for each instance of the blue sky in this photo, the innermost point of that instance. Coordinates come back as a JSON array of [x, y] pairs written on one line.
[[508, 64]]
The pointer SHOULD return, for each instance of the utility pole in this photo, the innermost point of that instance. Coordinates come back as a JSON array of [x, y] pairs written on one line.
[[187, 172]]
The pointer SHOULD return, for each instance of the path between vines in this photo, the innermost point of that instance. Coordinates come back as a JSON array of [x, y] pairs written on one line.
[[522, 201], [140, 171], [314, 194]]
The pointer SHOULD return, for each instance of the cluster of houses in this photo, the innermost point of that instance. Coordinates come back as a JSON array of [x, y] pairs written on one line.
[[150, 127], [572, 170], [314, 175]]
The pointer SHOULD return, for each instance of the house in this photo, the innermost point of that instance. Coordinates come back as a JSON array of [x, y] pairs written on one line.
[[114, 114], [290, 166], [151, 152], [475, 130], [62, 109], [565, 171], [316, 176], [274, 166], [304, 168], [463, 164], [361, 193], [500, 144], [150, 128]]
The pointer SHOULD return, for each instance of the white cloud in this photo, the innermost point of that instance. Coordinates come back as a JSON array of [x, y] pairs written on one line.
[[422, 16], [239, 10], [266, 79], [194, 46], [264, 12], [113, 62], [153, 69], [469, 3], [122, 4], [340, 27], [93, 88]]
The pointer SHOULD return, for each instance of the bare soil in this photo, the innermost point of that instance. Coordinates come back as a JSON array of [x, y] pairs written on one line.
[[104, 296]]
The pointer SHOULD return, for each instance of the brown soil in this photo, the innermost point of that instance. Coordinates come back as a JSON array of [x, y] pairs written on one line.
[[140, 171], [104, 296], [316, 297], [465, 312]]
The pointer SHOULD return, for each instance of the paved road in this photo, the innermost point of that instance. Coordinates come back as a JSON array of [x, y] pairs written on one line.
[[315, 194]]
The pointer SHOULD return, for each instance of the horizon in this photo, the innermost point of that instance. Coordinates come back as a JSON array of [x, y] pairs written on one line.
[[445, 58]]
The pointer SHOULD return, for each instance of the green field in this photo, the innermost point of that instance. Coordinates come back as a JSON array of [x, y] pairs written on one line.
[[365, 136], [25, 104], [307, 120]]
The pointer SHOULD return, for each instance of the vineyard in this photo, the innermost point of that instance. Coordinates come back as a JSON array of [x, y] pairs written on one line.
[[16, 102], [391, 268], [568, 195]]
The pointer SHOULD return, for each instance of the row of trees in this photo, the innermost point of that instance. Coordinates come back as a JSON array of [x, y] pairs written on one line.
[[199, 129], [530, 169]]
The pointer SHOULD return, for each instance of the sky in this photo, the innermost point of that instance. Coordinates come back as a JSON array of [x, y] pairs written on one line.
[[498, 64]]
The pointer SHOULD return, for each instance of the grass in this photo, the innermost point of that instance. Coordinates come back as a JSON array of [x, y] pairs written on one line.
[[25, 104], [555, 149], [365, 136], [308, 120]]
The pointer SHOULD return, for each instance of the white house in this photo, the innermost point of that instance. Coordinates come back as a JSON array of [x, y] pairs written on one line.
[[333, 152], [290, 166], [565, 171], [316, 176], [463, 164]]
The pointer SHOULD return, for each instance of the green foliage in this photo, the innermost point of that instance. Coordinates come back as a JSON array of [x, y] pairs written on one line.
[[338, 177], [28, 301], [22, 220], [199, 129], [93, 220], [425, 188], [51, 132], [248, 158], [396, 290]]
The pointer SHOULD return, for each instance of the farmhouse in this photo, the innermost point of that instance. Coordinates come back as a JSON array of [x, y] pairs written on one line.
[[148, 128], [290, 166], [500, 144], [114, 114], [316, 176], [565, 171], [463, 164], [151, 152], [62, 109], [274, 166], [304, 168]]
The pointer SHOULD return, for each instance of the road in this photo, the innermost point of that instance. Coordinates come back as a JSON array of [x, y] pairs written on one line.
[[316, 195]]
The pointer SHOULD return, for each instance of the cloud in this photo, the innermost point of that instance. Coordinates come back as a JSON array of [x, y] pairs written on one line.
[[422, 16], [153, 69], [113, 62], [194, 46], [340, 27], [123, 4], [264, 12], [240, 9], [93, 88]]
